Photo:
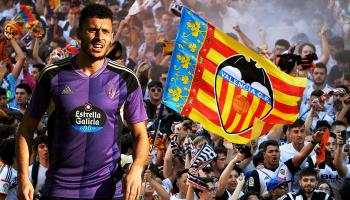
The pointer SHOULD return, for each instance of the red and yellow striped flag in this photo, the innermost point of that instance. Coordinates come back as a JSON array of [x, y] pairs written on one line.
[[229, 89]]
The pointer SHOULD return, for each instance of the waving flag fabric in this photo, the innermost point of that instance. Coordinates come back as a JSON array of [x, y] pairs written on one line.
[[232, 91], [25, 15]]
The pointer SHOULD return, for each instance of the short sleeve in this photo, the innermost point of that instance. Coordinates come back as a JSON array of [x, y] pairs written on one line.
[[40, 100], [134, 109], [292, 169], [348, 173]]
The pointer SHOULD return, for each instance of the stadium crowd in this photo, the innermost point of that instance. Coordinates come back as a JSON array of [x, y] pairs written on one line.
[[283, 164]]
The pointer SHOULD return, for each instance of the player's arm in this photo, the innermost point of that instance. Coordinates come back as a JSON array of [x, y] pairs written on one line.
[[134, 177], [23, 145]]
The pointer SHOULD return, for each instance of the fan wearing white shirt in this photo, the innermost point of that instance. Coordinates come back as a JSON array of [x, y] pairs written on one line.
[[37, 171]]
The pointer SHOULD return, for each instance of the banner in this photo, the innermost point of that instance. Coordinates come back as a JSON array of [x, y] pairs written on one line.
[[231, 90]]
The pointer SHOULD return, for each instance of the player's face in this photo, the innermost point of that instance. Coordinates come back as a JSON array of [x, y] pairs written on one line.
[[308, 184], [96, 36]]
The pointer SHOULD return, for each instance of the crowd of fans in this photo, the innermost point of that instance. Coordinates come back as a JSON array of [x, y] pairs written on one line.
[[283, 164]]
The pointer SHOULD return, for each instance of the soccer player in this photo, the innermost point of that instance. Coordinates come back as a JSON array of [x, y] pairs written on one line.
[[84, 96]]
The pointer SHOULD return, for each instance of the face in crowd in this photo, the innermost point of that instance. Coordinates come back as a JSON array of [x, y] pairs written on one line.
[[308, 184], [319, 76], [21, 96], [297, 135], [272, 156], [156, 93]]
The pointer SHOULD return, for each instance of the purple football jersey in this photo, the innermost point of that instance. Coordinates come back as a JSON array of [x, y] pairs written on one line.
[[84, 125]]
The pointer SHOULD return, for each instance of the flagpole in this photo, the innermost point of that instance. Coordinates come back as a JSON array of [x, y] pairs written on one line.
[[156, 126]]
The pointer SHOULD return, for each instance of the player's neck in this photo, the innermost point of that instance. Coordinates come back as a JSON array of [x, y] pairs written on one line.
[[87, 65]]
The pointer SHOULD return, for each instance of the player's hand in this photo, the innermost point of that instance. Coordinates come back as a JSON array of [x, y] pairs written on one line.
[[25, 190], [133, 182]]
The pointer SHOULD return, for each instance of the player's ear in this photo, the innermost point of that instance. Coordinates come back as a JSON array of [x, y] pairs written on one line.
[[112, 40]]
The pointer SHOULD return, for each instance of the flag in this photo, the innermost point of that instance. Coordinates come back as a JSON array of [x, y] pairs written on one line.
[[52, 6], [321, 153], [229, 89], [25, 15]]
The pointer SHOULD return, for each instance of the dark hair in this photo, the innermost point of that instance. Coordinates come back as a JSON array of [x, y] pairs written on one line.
[[117, 47], [154, 84], [270, 143], [6, 130], [220, 149], [154, 169], [95, 10], [321, 66], [248, 194], [343, 56], [317, 93], [322, 123], [7, 150], [338, 123], [308, 171], [337, 42], [205, 180], [179, 173], [258, 158], [306, 44], [26, 87], [126, 143], [42, 139], [333, 135], [2, 91], [158, 48], [39, 66], [283, 42], [298, 123]]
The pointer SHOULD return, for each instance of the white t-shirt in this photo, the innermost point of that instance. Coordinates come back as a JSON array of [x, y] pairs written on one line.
[[8, 182], [176, 197], [330, 176], [41, 178], [288, 152]]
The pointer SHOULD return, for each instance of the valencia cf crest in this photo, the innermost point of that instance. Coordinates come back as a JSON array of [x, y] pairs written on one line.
[[243, 92]]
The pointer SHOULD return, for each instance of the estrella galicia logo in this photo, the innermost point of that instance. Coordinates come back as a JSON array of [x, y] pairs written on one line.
[[87, 118]]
